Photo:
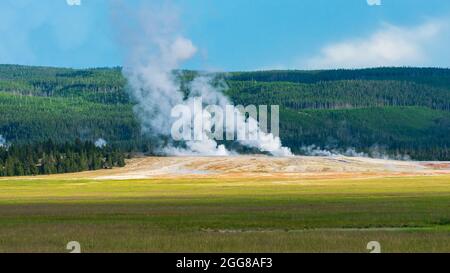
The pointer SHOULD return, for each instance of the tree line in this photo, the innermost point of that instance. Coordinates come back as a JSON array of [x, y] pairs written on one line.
[[51, 158], [405, 110]]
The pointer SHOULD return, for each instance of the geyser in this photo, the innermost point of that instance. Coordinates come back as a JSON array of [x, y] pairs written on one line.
[[156, 49]]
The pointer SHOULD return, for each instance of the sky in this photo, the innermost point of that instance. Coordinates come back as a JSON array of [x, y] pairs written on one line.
[[236, 35]]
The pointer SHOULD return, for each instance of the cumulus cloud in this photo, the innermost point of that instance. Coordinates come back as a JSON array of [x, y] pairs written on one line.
[[390, 45], [374, 2], [73, 2]]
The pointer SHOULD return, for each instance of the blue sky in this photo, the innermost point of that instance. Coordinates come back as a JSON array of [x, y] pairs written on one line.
[[238, 34]]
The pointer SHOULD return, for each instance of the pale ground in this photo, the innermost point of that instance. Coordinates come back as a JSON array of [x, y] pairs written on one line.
[[262, 166]]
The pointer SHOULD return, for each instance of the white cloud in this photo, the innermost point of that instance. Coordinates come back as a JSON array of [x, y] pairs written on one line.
[[73, 2], [388, 46], [374, 2]]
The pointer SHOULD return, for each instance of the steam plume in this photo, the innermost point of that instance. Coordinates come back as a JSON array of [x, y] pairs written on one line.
[[100, 143], [2, 141], [375, 151], [156, 49]]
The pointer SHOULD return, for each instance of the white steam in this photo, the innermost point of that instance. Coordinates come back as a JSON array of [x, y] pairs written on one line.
[[157, 49], [2, 141], [374, 152], [100, 143]]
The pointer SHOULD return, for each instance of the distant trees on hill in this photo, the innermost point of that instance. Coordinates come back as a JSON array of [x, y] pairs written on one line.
[[51, 158], [343, 94], [437, 77], [403, 110]]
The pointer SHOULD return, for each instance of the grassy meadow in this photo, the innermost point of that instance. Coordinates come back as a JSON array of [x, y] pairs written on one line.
[[405, 214]]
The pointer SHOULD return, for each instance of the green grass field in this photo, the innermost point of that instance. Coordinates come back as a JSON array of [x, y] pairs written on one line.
[[405, 214]]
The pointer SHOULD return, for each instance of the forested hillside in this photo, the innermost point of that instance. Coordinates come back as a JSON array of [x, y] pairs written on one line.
[[397, 111]]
